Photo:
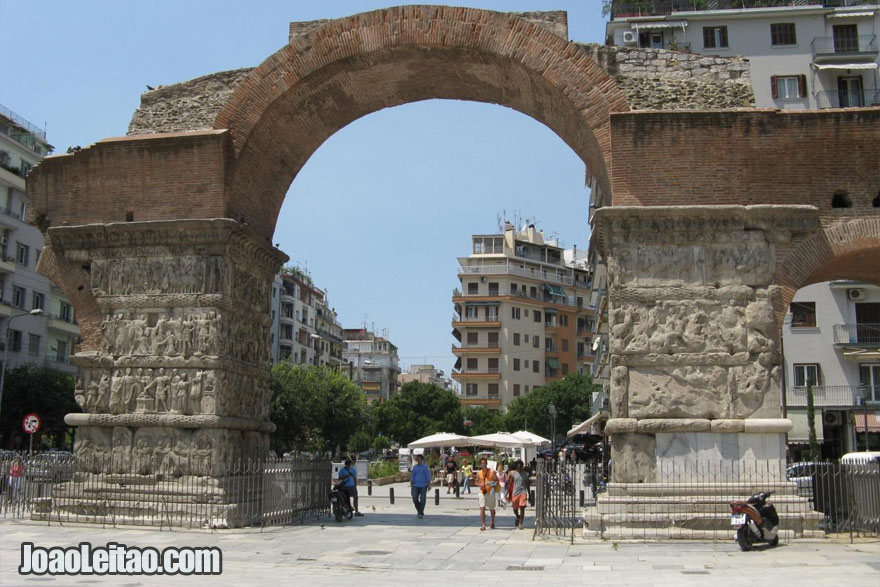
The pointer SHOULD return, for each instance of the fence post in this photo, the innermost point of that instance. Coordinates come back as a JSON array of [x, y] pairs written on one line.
[[436, 497], [391, 495], [369, 487]]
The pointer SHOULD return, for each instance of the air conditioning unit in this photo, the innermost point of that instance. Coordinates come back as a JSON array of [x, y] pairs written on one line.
[[831, 418], [855, 294], [630, 38]]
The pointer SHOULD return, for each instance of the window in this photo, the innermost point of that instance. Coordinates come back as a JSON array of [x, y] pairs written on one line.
[[493, 389], [782, 33], [61, 351], [493, 339], [38, 301], [473, 338], [66, 312], [22, 252], [533, 292], [513, 289], [714, 37], [14, 341], [471, 312], [525, 388], [565, 368], [516, 364], [537, 315], [536, 366], [516, 339], [536, 341], [526, 312], [803, 314], [34, 344], [473, 288], [515, 313], [580, 302], [472, 364], [18, 295], [470, 389], [516, 390], [493, 365], [563, 319], [564, 345], [869, 376], [788, 87], [806, 374], [493, 289], [492, 313]]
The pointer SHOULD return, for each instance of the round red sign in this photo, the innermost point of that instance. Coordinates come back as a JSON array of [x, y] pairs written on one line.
[[31, 423]]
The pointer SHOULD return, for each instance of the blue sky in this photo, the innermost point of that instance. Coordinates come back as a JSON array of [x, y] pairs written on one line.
[[382, 210]]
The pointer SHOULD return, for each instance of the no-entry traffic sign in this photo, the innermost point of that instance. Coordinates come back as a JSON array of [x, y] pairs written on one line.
[[31, 423]]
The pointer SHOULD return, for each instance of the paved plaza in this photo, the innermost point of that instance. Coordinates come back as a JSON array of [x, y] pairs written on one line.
[[391, 546]]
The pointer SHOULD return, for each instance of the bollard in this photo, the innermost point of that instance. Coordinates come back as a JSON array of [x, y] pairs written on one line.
[[582, 498], [369, 487], [391, 494], [532, 498], [436, 497], [457, 494]]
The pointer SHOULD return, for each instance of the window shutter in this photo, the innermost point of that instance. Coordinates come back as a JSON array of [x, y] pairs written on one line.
[[724, 37], [773, 88], [802, 86]]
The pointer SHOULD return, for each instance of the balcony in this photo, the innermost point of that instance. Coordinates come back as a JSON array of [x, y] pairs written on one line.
[[491, 373], [479, 322], [541, 275], [7, 265], [472, 400], [851, 99], [845, 48], [59, 324], [829, 396], [857, 335], [476, 348], [635, 8]]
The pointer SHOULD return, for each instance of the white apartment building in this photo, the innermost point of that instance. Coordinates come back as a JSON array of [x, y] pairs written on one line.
[[803, 54], [831, 340], [47, 338], [372, 362], [522, 316], [427, 374]]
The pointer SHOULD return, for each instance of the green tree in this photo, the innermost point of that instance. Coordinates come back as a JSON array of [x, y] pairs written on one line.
[[313, 408], [571, 396], [417, 410], [815, 455], [482, 421], [41, 390]]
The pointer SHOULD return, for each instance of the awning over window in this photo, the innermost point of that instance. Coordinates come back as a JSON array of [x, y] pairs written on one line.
[[845, 66], [483, 304], [864, 14], [553, 363], [800, 431], [660, 24], [859, 422], [457, 365], [555, 290]]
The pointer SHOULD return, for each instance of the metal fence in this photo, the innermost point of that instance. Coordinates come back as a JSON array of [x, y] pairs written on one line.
[[692, 500], [60, 488]]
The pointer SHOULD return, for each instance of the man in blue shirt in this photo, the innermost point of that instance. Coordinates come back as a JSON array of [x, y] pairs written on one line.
[[419, 480], [348, 478]]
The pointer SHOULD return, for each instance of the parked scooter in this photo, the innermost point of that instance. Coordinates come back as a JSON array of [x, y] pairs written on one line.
[[339, 503], [755, 520]]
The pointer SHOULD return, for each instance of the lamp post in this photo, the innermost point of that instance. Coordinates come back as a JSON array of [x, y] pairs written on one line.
[[552, 409], [34, 312], [864, 394]]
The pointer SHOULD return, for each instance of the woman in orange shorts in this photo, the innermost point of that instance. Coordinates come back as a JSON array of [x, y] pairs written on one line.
[[519, 489]]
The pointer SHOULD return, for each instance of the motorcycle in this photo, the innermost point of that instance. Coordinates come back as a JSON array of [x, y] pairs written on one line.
[[756, 521], [339, 503]]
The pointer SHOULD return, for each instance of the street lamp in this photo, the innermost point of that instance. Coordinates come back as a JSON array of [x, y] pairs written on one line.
[[34, 312], [864, 394], [552, 409]]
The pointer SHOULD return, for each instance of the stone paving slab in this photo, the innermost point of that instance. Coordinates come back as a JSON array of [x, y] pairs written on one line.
[[391, 546]]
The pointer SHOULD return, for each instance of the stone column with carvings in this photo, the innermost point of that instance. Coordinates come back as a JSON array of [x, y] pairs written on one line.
[[177, 378], [694, 340]]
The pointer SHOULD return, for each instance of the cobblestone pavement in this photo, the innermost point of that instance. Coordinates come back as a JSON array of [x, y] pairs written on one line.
[[391, 546]]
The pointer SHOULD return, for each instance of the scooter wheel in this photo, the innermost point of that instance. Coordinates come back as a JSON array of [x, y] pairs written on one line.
[[337, 513], [349, 514], [774, 542], [744, 538]]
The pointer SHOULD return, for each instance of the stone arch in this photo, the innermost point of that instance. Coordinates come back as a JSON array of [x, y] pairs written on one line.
[[349, 67], [840, 248]]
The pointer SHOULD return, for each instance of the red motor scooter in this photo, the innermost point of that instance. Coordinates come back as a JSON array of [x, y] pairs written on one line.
[[755, 521]]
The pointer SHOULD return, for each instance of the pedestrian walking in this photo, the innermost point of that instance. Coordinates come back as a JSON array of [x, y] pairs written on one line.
[[419, 480], [451, 480], [466, 472], [16, 472], [502, 485], [487, 481], [519, 492]]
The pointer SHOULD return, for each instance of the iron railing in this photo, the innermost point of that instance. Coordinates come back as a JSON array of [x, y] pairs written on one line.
[[844, 44], [664, 7], [691, 499], [119, 490], [858, 334], [848, 99], [825, 396]]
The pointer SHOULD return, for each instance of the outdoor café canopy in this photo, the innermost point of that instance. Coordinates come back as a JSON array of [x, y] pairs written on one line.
[[499, 440], [532, 438], [441, 439]]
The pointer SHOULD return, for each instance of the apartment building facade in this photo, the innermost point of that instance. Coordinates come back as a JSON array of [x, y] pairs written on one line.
[[831, 340], [427, 374], [372, 363], [803, 54], [522, 317], [36, 315]]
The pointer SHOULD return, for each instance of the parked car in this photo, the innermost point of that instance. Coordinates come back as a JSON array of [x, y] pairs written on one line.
[[585, 447], [802, 475], [51, 467]]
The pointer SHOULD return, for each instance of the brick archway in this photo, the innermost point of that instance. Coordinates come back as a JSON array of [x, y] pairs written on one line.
[[349, 67]]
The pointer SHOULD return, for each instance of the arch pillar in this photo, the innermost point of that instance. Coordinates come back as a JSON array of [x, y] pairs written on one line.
[[695, 353], [175, 380]]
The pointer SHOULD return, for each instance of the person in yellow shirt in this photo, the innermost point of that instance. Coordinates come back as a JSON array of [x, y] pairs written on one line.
[[466, 472], [487, 481]]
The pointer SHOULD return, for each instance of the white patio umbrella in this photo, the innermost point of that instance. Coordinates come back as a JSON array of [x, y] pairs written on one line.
[[498, 440], [532, 437], [441, 439]]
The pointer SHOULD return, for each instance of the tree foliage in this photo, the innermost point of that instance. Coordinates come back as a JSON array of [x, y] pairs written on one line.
[[482, 421], [571, 396], [417, 410], [42, 390], [314, 408]]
